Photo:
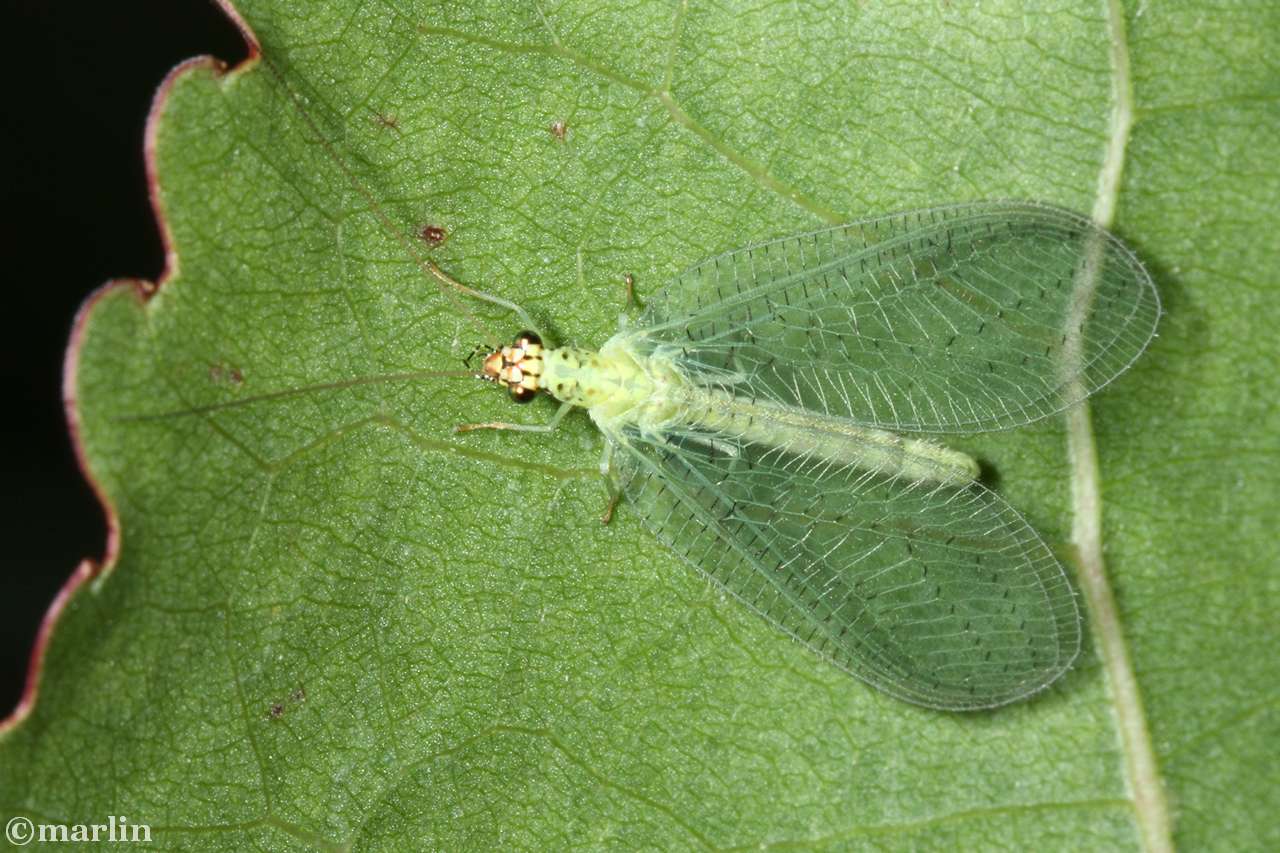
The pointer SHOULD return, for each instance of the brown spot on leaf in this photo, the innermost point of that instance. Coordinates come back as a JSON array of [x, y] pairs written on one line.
[[559, 129], [277, 709], [433, 235], [220, 373]]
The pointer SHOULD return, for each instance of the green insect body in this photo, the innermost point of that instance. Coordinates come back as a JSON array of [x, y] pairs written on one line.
[[620, 389]]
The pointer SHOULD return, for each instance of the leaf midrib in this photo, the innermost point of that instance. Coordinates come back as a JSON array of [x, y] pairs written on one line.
[[1146, 786]]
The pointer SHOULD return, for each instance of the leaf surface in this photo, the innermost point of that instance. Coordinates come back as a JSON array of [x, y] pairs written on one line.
[[330, 622]]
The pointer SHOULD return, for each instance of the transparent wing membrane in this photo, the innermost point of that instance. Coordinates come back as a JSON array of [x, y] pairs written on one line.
[[955, 319], [938, 595]]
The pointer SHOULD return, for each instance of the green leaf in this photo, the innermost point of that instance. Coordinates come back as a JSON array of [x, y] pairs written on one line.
[[331, 622]]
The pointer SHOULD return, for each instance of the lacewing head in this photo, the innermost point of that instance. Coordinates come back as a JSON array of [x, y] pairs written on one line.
[[517, 366]]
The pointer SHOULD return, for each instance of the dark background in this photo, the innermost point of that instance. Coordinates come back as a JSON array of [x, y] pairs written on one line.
[[80, 77]]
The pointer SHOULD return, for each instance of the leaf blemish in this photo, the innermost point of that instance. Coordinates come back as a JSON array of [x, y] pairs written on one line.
[[433, 235], [277, 709], [220, 373], [388, 121]]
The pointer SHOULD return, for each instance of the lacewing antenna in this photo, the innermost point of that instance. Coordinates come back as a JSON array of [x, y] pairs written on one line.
[[286, 393], [451, 287]]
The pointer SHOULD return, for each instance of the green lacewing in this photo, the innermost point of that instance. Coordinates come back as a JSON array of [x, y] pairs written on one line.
[[765, 417], [762, 419]]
